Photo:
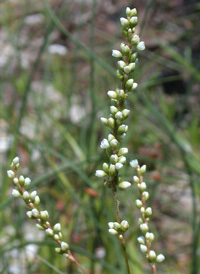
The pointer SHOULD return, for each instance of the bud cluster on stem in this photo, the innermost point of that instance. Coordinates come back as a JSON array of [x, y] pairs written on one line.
[[32, 200], [147, 237]]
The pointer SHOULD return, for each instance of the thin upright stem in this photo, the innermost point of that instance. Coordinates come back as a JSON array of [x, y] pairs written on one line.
[[73, 259], [121, 238]]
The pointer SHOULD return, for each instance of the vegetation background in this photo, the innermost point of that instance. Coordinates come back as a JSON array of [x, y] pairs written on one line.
[[55, 70]]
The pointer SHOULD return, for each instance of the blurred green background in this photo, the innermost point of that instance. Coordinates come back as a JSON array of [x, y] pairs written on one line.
[[55, 70]]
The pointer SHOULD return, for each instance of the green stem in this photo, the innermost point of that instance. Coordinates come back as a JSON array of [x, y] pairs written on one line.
[[122, 240]]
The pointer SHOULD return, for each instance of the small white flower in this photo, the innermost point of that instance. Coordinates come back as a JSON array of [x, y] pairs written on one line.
[[138, 203], [143, 169], [134, 163], [116, 225], [136, 179], [148, 211], [141, 240], [25, 195], [145, 195], [16, 160], [100, 173], [149, 236], [33, 195], [116, 53], [124, 224], [152, 255], [15, 181], [112, 231], [111, 224], [37, 200], [29, 214], [160, 258], [118, 166], [49, 232], [113, 110], [57, 227], [141, 46], [56, 237], [35, 212], [134, 86], [125, 113], [44, 215], [104, 121], [27, 181], [127, 69], [119, 115], [64, 246], [58, 249], [143, 186], [114, 143], [144, 227], [122, 160], [114, 158], [143, 248], [112, 94], [124, 185], [123, 151], [124, 22], [16, 193], [104, 144], [10, 174]]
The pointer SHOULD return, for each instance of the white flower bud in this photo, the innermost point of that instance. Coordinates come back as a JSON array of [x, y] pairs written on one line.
[[16, 193], [116, 226], [112, 94], [119, 115], [122, 129], [143, 186], [141, 46], [111, 123], [125, 113], [112, 170], [56, 237], [114, 143], [144, 227], [123, 151], [10, 174], [134, 86], [160, 258], [138, 203], [127, 69], [100, 173], [57, 227], [16, 160], [49, 232], [136, 179], [149, 236], [133, 21], [40, 227], [128, 11], [105, 167], [132, 67], [27, 181], [37, 200], [35, 213], [134, 163], [121, 64], [44, 215], [124, 225], [113, 158], [145, 195], [29, 214], [152, 255], [104, 144], [143, 248], [113, 110], [15, 181], [142, 209], [33, 195], [112, 231], [129, 84], [116, 53], [122, 160], [111, 224], [143, 169], [110, 137], [141, 240], [118, 166], [148, 211], [124, 185], [104, 121], [25, 195], [58, 250], [124, 22]]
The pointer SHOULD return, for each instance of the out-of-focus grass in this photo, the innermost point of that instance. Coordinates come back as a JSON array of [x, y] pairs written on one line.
[[50, 109]]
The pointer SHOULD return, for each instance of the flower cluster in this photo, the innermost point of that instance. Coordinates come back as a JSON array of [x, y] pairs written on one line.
[[32, 200], [147, 237], [118, 112]]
